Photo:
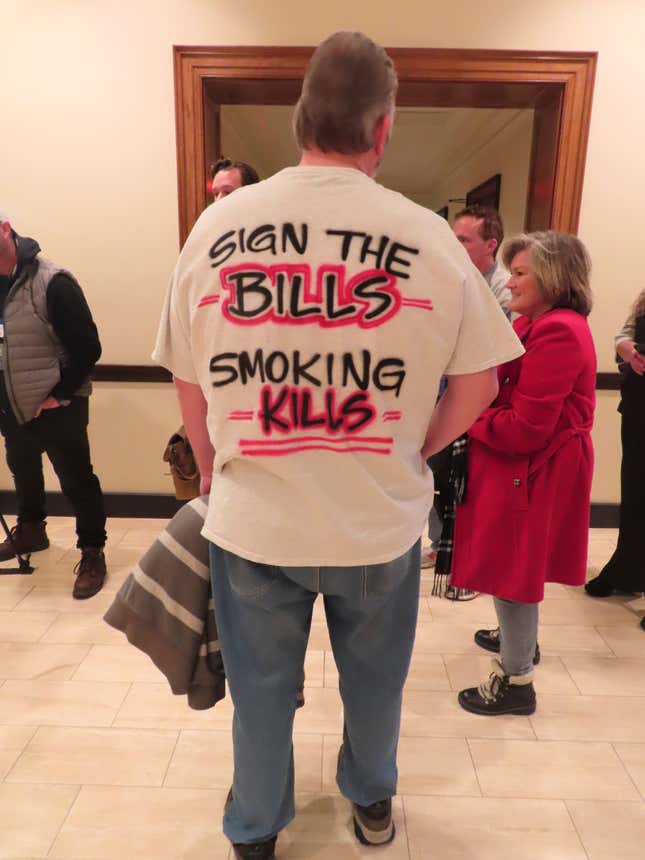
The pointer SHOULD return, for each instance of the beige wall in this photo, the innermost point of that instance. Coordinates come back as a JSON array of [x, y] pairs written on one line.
[[88, 157]]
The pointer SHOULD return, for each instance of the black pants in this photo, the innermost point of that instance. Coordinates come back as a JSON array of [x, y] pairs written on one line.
[[61, 434], [626, 568]]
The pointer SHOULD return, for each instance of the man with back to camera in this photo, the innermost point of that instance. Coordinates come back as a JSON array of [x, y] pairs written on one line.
[[481, 232], [49, 345], [226, 176], [307, 325]]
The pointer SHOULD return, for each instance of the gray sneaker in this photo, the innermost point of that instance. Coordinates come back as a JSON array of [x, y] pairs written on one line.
[[373, 824]]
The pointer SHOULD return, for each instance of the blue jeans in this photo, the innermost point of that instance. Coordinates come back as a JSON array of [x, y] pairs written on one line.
[[263, 616], [518, 630]]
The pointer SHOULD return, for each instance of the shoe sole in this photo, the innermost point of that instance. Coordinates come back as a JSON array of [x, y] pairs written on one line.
[[374, 837], [487, 645], [87, 594], [25, 552], [519, 710]]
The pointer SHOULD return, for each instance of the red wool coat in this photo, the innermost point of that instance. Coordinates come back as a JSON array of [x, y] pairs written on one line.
[[525, 520]]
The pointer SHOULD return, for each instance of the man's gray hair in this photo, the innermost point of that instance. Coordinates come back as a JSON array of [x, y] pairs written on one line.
[[350, 83]]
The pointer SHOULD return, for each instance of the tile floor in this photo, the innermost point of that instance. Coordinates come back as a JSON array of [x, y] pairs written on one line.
[[98, 760]]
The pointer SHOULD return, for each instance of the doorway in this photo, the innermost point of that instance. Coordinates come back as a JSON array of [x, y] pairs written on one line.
[[556, 86]]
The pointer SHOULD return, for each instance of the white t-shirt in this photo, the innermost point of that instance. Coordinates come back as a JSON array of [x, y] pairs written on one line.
[[317, 311]]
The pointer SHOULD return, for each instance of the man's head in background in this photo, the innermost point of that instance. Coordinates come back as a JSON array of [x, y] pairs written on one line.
[[481, 232], [226, 176]]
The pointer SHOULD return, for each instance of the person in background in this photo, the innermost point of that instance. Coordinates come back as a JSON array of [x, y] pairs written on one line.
[[49, 345], [226, 176], [625, 570], [481, 232], [525, 518], [308, 322]]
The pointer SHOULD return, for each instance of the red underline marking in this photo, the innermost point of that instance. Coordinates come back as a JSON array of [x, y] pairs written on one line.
[[279, 452], [420, 304], [208, 300], [241, 412], [392, 418], [240, 418], [378, 440]]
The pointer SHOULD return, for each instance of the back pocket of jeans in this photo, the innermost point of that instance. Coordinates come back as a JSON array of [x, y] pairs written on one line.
[[381, 579], [251, 580]]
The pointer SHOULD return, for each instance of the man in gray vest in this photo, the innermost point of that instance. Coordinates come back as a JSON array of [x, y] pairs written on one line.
[[48, 346], [480, 231]]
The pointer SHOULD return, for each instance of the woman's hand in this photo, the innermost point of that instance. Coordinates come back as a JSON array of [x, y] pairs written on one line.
[[626, 349], [205, 485]]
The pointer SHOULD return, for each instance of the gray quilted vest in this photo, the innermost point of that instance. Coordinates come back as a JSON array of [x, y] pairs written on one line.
[[32, 353]]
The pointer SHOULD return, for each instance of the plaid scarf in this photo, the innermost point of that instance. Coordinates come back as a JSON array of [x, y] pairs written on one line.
[[456, 495]]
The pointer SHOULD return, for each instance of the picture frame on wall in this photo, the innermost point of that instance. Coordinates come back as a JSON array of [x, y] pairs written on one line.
[[443, 212], [487, 193]]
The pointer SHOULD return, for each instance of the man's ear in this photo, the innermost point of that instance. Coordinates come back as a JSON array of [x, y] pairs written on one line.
[[382, 132], [492, 245]]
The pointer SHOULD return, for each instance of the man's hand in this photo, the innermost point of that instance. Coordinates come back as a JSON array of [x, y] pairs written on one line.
[[48, 403], [194, 410], [465, 398]]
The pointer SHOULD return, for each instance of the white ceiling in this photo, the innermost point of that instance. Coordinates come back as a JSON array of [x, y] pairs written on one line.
[[427, 146]]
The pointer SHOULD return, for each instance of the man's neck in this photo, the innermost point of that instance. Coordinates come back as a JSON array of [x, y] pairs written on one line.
[[8, 264], [488, 270], [316, 158]]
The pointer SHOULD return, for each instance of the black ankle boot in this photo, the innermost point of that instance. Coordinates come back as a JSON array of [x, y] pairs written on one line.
[[501, 694], [489, 640], [255, 851]]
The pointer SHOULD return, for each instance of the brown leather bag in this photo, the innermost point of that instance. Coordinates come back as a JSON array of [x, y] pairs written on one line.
[[183, 468]]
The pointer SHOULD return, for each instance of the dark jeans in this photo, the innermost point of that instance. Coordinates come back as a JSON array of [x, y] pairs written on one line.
[[626, 568], [61, 434]]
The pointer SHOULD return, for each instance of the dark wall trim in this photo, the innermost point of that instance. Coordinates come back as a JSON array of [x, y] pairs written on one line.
[[153, 373], [603, 515], [130, 373], [608, 381], [116, 504]]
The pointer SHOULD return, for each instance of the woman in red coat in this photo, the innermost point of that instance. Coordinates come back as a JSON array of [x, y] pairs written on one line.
[[525, 519]]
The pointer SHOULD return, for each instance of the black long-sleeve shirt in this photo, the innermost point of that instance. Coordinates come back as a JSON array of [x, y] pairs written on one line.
[[72, 322], [71, 319]]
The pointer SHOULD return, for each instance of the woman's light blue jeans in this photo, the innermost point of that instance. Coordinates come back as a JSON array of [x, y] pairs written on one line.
[[518, 630], [263, 616]]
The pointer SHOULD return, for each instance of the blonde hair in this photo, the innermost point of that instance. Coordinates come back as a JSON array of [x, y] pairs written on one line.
[[561, 267], [350, 83]]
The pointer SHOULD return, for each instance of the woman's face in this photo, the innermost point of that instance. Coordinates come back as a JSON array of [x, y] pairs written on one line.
[[526, 298]]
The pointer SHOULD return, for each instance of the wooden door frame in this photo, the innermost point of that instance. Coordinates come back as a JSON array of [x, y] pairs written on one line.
[[558, 84]]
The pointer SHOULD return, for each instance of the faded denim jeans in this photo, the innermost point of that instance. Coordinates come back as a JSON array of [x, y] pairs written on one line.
[[518, 630], [263, 616]]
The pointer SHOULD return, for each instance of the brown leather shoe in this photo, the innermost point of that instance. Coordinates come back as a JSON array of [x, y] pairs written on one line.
[[90, 572], [26, 538]]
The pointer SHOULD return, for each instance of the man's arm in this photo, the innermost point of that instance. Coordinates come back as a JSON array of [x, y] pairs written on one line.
[[463, 402], [71, 319], [194, 410]]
